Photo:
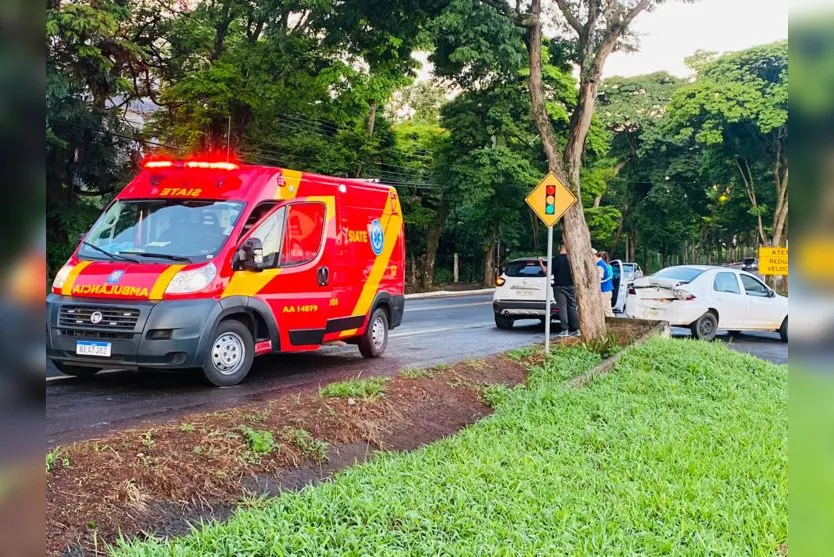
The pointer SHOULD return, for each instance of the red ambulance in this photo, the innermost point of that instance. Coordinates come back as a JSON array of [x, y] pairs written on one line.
[[202, 264]]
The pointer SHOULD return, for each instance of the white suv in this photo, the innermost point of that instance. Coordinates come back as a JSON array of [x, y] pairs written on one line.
[[520, 293]]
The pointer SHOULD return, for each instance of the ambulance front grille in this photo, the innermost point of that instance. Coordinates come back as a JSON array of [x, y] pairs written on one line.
[[113, 319]]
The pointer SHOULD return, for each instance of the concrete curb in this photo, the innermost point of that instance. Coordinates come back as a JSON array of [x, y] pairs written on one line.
[[447, 294], [661, 329]]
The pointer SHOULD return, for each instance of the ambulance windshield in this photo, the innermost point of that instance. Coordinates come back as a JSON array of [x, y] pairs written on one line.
[[158, 229]]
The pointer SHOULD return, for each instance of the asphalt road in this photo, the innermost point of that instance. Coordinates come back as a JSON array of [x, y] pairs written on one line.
[[434, 331]]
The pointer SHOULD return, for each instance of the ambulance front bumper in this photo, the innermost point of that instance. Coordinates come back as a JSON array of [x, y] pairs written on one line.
[[129, 334]]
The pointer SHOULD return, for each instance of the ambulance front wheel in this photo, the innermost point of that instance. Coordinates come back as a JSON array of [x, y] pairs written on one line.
[[372, 344], [230, 356]]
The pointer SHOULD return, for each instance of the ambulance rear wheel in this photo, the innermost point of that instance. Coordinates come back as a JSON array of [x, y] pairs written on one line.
[[372, 344], [230, 354]]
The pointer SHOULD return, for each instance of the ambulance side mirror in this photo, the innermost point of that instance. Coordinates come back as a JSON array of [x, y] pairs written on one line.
[[250, 256]]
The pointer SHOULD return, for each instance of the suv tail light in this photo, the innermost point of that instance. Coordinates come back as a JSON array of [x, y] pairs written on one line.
[[500, 281], [631, 290]]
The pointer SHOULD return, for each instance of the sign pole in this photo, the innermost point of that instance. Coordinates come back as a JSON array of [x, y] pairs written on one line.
[[549, 294], [550, 200]]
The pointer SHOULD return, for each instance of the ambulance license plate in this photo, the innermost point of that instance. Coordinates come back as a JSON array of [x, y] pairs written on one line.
[[90, 348]]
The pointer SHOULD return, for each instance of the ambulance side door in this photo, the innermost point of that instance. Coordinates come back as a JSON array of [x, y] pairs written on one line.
[[303, 289]]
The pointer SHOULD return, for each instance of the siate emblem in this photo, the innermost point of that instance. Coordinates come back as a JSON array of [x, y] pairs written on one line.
[[377, 237]]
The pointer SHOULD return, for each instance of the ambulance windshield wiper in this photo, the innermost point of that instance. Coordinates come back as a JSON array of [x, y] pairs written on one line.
[[159, 255], [108, 254]]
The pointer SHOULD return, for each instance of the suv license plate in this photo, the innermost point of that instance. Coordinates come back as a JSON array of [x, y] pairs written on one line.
[[89, 348]]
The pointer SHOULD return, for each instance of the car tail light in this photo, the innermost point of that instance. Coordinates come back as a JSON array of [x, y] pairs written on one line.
[[500, 281], [631, 290]]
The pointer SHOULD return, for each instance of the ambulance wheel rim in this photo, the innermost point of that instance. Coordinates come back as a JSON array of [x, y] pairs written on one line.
[[227, 353], [378, 332]]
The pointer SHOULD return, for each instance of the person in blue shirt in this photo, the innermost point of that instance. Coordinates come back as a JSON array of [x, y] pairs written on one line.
[[606, 281]]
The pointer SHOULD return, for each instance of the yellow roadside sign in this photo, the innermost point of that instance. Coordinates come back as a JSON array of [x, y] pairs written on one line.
[[550, 200], [773, 261]]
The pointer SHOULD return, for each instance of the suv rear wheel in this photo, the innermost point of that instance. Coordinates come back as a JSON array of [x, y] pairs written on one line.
[[503, 322]]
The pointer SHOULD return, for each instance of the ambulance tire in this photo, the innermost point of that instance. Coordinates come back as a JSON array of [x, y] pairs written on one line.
[[372, 344], [231, 353]]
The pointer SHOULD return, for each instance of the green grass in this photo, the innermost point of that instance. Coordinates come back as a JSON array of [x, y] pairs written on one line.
[[681, 450], [369, 388], [55, 456], [315, 449]]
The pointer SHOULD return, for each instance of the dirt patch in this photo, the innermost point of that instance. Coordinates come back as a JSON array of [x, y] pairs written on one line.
[[157, 480]]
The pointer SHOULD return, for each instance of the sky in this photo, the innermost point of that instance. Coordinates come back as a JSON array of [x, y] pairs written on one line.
[[675, 30]]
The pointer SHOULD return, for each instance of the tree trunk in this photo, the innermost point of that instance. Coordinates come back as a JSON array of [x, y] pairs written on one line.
[[414, 279], [371, 118], [576, 236], [432, 241], [750, 186], [489, 263]]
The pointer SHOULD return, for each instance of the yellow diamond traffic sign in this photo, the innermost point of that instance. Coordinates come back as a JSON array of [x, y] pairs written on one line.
[[550, 200]]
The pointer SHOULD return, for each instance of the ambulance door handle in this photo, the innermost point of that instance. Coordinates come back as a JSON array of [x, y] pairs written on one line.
[[323, 276]]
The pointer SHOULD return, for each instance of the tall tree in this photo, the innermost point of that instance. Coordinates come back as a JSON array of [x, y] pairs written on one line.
[[601, 26], [738, 110], [633, 110]]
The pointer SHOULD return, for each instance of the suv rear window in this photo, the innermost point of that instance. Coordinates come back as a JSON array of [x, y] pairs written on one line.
[[523, 269], [683, 274]]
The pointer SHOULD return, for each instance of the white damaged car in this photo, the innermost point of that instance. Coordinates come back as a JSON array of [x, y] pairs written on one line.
[[705, 299]]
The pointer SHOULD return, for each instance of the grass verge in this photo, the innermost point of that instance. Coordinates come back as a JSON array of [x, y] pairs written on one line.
[[681, 450], [369, 388]]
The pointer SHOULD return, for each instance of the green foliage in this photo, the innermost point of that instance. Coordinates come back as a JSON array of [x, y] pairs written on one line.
[[55, 456], [369, 388], [260, 442], [683, 445]]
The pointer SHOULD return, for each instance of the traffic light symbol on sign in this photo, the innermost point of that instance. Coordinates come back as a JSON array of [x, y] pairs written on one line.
[[550, 200]]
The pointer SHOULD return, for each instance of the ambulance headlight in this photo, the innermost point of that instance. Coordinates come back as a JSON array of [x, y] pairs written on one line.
[[192, 280], [61, 277]]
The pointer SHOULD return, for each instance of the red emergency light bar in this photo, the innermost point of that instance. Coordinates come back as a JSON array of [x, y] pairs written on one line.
[[206, 165]]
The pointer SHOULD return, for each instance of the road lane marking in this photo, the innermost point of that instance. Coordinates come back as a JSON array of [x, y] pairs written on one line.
[[454, 306], [440, 330]]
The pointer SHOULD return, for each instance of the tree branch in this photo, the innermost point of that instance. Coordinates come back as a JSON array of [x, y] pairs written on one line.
[[570, 17], [521, 19], [635, 11]]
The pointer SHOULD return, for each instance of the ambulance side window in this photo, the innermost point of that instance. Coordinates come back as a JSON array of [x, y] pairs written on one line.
[[303, 234], [269, 232]]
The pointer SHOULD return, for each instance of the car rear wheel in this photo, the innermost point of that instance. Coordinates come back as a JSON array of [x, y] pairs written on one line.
[[76, 371], [372, 344], [503, 322], [231, 353], [705, 327], [783, 330]]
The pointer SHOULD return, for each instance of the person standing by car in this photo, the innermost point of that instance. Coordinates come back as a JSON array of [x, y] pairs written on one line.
[[564, 293], [606, 281]]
